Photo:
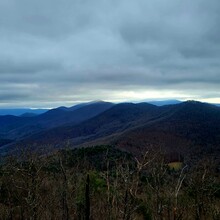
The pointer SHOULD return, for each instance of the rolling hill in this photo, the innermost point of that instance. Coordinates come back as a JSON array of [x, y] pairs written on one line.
[[21, 111], [187, 128], [15, 127], [190, 127]]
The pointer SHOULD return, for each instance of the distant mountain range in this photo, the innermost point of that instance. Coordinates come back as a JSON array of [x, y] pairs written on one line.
[[18, 127], [21, 111], [165, 102], [186, 127], [27, 112]]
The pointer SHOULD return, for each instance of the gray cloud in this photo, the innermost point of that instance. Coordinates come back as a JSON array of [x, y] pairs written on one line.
[[56, 52]]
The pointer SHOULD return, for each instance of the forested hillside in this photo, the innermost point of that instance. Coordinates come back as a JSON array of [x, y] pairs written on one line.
[[105, 183]]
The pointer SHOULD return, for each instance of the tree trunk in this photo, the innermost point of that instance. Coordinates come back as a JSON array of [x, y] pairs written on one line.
[[87, 199]]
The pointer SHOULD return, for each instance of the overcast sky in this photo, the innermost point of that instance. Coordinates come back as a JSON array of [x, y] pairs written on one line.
[[61, 52]]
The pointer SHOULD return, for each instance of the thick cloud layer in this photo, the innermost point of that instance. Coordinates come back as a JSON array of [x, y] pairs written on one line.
[[55, 52]]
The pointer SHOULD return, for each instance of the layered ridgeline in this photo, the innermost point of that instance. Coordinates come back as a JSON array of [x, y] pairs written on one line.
[[187, 127], [22, 111], [14, 128]]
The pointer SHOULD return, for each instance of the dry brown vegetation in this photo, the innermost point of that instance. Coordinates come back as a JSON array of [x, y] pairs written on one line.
[[105, 183]]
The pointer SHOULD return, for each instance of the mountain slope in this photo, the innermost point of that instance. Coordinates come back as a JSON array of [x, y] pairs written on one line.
[[188, 127], [117, 119], [142, 126], [191, 126], [14, 127]]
